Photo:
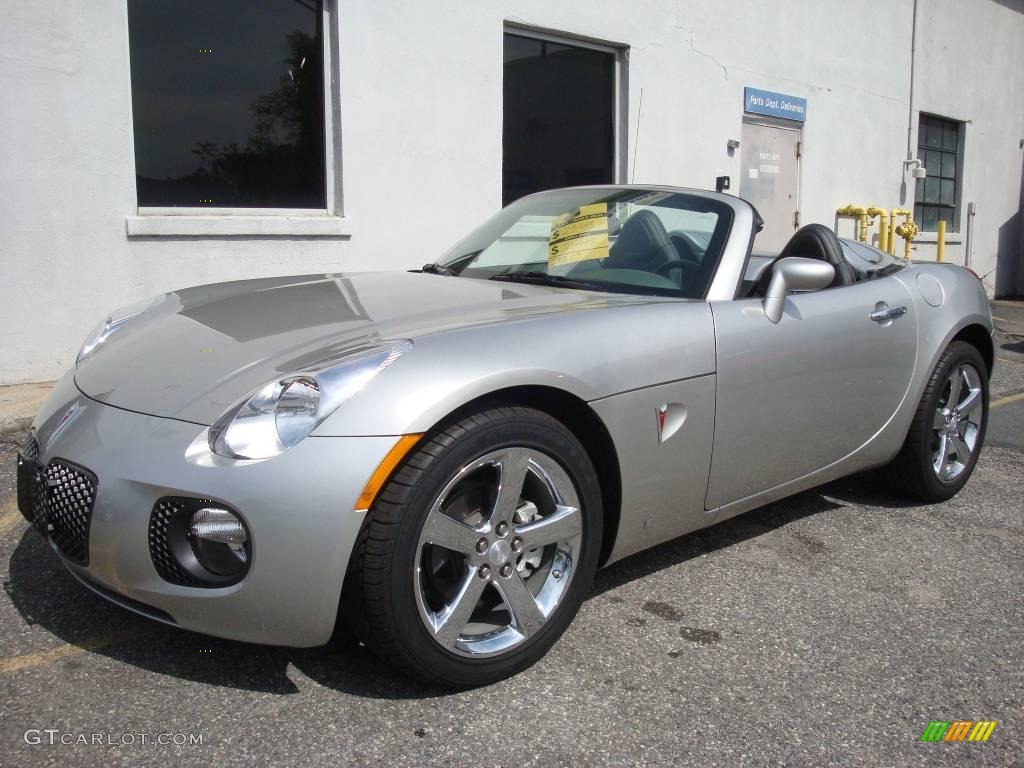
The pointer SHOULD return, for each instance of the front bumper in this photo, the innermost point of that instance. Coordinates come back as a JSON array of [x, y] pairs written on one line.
[[298, 508]]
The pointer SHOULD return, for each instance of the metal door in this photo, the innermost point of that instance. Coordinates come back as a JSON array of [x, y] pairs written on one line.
[[770, 180], [795, 397]]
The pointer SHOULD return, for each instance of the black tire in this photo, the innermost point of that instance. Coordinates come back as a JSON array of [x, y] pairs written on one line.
[[912, 472], [380, 598]]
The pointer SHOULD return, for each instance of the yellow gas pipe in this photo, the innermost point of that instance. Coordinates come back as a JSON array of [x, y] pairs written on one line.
[[883, 228], [940, 242], [908, 231], [892, 226], [888, 230], [862, 218]]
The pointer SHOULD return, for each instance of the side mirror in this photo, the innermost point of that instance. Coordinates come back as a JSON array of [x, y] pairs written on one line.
[[794, 273]]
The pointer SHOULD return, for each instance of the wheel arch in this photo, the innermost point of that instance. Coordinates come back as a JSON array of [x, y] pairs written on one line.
[[978, 336], [579, 418]]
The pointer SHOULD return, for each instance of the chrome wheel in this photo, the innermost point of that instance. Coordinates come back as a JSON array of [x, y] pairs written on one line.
[[497, 552], [957, 422]]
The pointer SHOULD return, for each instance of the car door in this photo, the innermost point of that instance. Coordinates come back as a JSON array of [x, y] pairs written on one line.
[[797, 396]]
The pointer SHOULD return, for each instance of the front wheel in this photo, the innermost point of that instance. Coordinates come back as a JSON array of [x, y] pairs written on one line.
[[945, 438], [480, 549]]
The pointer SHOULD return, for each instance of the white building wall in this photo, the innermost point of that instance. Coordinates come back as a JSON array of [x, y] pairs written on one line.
[[420, 102], [970, 67]]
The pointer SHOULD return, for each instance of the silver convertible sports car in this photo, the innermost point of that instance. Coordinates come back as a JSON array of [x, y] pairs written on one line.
[[443, 458]]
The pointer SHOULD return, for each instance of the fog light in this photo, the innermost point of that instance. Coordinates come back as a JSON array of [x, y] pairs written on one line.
[[219, 541]]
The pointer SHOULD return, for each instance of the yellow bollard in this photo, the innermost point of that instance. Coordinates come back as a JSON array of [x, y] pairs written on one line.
[[940, 242]]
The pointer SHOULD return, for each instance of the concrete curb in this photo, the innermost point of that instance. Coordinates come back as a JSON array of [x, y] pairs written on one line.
[[1008, 317], [19, 404], [8, 426]]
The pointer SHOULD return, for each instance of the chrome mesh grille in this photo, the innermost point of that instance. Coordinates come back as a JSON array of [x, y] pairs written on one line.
[[28, 477], [57, 500], [30, 450], [27, 473], [166, 512], [37, 504], [67, 500]]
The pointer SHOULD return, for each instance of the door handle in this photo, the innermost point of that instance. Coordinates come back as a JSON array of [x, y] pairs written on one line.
[[887, 314]]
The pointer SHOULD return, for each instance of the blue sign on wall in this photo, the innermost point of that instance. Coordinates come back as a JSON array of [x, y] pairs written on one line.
[[774, 104]]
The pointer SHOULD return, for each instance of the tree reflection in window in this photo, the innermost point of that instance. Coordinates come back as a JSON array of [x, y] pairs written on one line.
[[228, 103]]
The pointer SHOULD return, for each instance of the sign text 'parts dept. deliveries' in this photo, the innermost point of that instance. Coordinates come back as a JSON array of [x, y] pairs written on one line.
[[579, 236]]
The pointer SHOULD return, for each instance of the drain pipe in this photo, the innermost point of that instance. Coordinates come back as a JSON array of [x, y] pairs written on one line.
[[968, 239], [910, 107]]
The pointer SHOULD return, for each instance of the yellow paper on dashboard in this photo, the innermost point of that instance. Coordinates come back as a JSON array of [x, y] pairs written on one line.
[[579, 236]]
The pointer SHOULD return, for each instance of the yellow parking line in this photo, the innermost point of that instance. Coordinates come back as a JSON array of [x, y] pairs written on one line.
[[1006, 400], [66, 650], [9, 518]]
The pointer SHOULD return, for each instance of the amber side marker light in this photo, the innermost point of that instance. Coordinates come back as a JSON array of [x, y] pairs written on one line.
[[385, 468]]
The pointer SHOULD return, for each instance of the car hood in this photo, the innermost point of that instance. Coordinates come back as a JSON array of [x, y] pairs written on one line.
[[195, 352]]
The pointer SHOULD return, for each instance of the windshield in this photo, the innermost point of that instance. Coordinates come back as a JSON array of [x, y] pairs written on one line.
[[618, 240]]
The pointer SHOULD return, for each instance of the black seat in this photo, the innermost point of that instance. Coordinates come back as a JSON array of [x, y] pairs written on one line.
[[642, 244], [813, 241]]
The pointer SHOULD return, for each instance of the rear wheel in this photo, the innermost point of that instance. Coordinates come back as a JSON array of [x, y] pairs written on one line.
[[480, 550], [945, 438]]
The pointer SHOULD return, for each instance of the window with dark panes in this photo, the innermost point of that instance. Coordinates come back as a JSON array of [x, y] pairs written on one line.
[[228, 103], [559, 110], [937, 197]]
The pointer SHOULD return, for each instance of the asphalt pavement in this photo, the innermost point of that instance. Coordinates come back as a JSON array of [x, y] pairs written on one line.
[[825, 629]]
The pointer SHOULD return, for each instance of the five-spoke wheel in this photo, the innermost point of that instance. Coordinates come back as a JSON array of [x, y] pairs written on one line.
[[946, 435], [497, 551], [957, 423], [480, 549]]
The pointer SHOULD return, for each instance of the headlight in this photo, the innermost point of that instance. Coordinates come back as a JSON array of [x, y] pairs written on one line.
[[284, 411], [114, 322]]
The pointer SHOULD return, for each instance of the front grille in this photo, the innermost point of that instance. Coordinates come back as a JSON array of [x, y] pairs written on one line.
[[168, 512], [58, 501], [27, 473], [31, 449], [70, 496], [37, 495], [28, 476]]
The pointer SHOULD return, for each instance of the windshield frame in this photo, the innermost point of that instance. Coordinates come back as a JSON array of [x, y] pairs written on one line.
[[459, 257]]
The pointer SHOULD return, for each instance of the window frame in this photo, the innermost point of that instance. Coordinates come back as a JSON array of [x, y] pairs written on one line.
[[953, 227], [198, 221], [620, 82]]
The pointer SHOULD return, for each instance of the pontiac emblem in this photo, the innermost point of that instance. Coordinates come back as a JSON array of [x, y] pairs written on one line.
[[671, 417]]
